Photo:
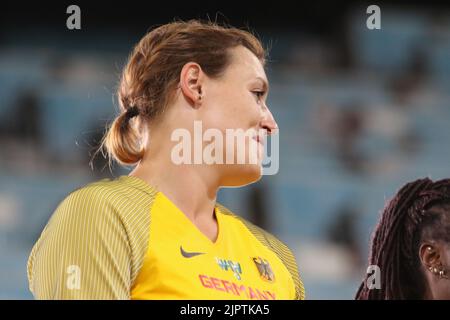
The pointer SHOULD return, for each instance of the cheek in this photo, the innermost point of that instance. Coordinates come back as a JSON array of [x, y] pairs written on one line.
[[447, 258], [230, 107], [222, 100], [245, 110], [234, 100]]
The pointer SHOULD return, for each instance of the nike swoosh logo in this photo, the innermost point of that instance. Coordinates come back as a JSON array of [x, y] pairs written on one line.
[[189, 254]]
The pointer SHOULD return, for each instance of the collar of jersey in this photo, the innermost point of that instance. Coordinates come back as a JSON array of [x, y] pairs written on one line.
[[145, 187]]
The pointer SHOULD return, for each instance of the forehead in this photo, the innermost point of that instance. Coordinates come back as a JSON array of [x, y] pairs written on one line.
[[245, 65]]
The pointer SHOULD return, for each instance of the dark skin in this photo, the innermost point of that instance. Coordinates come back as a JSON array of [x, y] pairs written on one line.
[[436, 255]]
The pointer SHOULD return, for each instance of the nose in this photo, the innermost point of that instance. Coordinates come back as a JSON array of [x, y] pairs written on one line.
[[268, 122]]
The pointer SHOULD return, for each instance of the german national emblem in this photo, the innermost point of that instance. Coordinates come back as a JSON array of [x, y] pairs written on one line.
[[265, 271]]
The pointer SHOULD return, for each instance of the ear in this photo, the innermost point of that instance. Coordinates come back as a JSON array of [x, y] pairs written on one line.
[[429, 254], [191, 80]]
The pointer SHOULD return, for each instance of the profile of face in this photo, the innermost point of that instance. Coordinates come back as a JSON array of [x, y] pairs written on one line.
[[435, 260], [233, 104]]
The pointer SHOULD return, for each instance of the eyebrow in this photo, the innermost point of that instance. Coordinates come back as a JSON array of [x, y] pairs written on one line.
[[265, 84]]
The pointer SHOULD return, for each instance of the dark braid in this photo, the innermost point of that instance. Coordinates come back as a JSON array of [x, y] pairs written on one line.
[[417, 209]]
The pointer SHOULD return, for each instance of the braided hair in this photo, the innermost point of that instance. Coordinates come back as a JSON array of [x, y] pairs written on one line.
[[419, 211]]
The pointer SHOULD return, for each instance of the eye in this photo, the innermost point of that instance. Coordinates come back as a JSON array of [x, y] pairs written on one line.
[[259, 94]]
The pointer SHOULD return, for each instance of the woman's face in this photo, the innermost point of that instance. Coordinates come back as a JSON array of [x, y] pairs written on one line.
[[235, 104]]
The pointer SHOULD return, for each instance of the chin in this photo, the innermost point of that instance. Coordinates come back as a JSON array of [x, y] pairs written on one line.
[[243, 175]]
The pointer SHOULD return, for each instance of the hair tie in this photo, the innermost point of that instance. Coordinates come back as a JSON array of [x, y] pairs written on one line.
[[131, 112]]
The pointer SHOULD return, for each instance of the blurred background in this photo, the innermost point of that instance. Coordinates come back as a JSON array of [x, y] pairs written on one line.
[[360, 111]]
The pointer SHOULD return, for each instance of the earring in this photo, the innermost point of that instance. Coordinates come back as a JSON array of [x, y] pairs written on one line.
[[433, 270], [442, 274], [438, 272]]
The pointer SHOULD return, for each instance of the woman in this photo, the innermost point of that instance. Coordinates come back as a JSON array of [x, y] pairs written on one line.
[[159, 233], [411, 245]]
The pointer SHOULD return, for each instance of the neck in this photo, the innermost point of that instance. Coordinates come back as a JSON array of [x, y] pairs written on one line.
[[191, 188]]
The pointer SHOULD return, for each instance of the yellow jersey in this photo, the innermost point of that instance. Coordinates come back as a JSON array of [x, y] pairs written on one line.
[[123, 239]]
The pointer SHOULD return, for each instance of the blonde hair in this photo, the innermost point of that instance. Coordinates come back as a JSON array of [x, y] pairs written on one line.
[[151, 75]]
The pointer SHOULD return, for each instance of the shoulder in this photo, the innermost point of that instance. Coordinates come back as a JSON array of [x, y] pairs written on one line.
[[105, 190], [121, 195], [113, 213], [275, 245], [105, 208], [91, 208], [121, 203]]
